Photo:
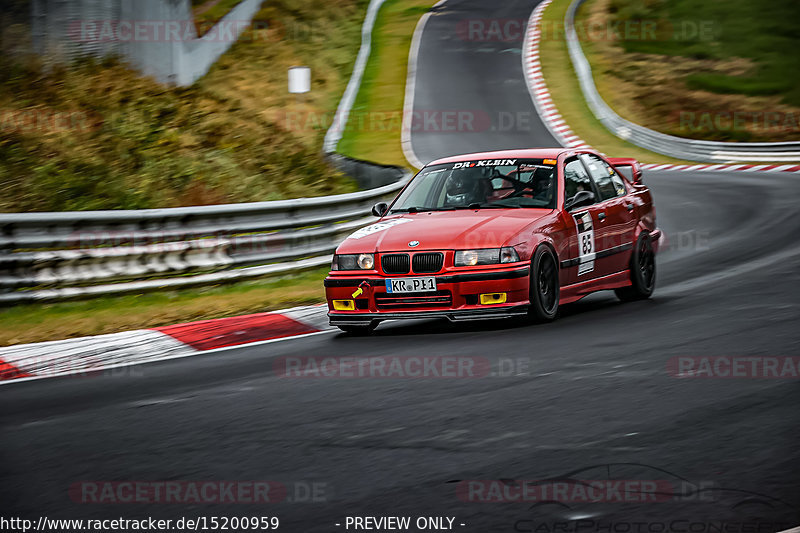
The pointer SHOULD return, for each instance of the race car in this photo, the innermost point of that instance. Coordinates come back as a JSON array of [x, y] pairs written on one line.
[[499, 235]]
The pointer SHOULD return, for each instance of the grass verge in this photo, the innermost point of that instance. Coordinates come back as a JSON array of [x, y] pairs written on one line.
[[373, 131], [697, 69], [64, 320], [763, 32], [96, 135], [566, 93], [209, 12]]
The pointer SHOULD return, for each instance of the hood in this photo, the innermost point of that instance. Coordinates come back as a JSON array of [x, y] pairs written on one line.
[[443, 230]]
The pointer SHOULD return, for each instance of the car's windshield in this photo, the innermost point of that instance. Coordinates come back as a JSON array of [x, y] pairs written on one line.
[[481, 184]]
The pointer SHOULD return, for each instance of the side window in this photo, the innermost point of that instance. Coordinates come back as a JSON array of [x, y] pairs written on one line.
[[575, 179], [604, 177], [424, 188], [619, 184]]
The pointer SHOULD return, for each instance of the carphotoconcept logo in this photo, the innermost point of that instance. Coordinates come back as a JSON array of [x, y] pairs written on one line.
[[580, 501]]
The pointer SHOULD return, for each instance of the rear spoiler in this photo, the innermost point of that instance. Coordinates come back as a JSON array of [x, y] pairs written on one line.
[[635, 174]]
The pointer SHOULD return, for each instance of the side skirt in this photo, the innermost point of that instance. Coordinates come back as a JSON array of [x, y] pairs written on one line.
[[576, 291]]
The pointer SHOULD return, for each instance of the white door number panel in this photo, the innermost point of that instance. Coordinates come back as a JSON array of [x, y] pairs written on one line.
[[411, 285], [586, 249]]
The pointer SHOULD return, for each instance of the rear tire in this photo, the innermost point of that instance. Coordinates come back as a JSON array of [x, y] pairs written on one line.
[[643, 272], [359, 331], [545, 287]]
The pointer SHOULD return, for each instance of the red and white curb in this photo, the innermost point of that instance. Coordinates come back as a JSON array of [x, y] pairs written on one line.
[[725, 168], [88, 355], [537, 87]]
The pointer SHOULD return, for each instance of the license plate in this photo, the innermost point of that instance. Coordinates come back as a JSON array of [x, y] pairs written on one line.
[[411, 285]]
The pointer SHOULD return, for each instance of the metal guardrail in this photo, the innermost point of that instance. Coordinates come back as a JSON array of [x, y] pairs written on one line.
[[694, 150], [56, 256], [335, 132]]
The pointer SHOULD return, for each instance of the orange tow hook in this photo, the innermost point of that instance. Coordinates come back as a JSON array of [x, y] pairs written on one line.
[[364, 285]]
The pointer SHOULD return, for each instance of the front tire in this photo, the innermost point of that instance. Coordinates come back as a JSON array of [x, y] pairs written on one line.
[[545, 287], [643, 272]]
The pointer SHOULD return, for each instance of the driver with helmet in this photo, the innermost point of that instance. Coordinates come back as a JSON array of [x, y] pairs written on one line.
[[465, 187]]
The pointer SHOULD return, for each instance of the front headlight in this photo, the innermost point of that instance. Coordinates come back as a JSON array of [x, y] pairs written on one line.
[[491, 256], [353, 262], [366, 261]]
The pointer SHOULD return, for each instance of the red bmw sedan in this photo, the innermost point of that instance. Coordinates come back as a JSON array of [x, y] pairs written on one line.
[[498, 235]]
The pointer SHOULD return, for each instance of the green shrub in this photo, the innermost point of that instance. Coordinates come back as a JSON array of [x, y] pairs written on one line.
[[764, 32]]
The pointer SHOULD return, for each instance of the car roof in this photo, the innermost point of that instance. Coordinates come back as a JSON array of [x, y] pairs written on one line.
[[531, 153]]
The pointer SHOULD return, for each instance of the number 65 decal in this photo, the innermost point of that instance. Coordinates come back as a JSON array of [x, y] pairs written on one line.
[[586, 253]]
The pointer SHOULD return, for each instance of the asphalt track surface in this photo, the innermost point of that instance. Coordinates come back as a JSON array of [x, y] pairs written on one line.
[[470, 64], [596, 393]]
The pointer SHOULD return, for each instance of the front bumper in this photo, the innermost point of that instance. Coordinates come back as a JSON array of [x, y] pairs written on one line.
[[459, 290], [365, 319]]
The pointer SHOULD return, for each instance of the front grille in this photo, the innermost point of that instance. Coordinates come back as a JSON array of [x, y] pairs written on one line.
[[428, 263], [395, 263], [405, 301]]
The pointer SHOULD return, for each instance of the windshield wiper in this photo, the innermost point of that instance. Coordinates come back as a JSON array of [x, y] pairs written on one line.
[[421, 209], [476, 205], [491, 206]]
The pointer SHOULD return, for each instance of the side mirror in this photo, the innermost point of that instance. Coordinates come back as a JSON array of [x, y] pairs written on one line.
[[637, 174], [380, 209], [628, 162], [579, 200]]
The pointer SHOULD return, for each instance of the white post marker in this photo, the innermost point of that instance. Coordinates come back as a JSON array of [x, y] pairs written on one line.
[[299, 80]]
